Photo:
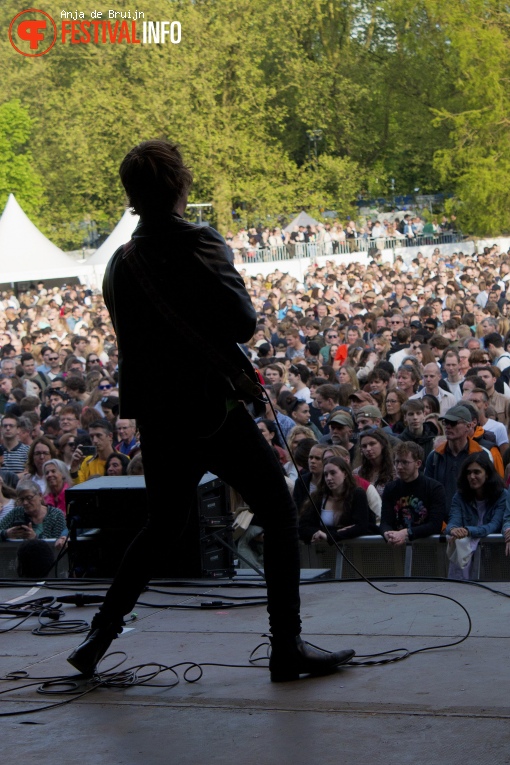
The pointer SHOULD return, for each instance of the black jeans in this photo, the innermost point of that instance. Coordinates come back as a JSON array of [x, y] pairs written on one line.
[[239, 455]]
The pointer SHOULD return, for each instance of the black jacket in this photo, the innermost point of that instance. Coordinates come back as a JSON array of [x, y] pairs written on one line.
[[419, 506], [426, 440], [189, 265]]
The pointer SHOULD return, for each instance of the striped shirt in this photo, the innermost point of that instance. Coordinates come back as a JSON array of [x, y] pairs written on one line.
[[15, 459]]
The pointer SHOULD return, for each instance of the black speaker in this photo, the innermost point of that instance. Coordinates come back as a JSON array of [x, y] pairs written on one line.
[[105, 514]]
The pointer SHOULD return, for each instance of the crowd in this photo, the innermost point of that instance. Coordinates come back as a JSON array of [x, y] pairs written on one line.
[[396, 229], [390, 383]]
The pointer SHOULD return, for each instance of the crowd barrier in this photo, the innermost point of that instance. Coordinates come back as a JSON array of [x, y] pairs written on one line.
[[314, 250], [9, 562], [371, 555], [423, 558]]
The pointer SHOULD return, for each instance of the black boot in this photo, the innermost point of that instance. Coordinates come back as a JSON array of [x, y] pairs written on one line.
[[87, 656], [291, 657]]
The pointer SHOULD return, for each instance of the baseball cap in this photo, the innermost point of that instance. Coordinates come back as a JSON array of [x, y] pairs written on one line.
[[369, 411], [457, 413], [361, 395], [342, 418]]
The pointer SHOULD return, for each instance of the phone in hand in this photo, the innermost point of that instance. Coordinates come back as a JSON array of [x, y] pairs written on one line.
[[88, 451]]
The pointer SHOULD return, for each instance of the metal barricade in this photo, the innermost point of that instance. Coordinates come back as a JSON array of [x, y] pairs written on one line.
[[422, 558]]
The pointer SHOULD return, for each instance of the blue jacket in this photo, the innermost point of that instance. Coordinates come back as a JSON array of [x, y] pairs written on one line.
[[464, 514]]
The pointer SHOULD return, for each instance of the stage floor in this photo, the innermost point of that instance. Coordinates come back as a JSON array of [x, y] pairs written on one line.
[[450, 705]]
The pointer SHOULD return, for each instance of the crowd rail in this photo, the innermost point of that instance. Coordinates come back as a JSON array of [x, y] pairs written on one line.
[[374, 557], [314, 250]]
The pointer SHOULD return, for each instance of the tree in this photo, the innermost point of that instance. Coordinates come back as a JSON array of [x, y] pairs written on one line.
[[17, 174]]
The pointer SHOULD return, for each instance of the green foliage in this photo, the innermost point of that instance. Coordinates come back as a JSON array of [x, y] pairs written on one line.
[[407, 93], [17, 173]]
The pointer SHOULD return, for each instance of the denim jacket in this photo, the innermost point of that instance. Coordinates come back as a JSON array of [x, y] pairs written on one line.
[[464, 514]]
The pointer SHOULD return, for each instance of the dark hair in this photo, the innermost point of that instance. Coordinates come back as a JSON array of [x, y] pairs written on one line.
[[273, 428], [386, 471], [30, 464], [155, 177], [302, 452], [349, 487], [103, 424], [35, 559], [302, 371], [124, 461], [493, 485], [433, 401]]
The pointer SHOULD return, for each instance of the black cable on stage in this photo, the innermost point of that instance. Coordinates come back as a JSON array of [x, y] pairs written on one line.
[[75, 686]]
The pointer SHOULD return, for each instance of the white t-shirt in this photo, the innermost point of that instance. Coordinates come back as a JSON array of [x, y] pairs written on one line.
[[499, 431]]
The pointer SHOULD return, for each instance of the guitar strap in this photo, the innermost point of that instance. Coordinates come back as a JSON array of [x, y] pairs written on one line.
[[239, 380]]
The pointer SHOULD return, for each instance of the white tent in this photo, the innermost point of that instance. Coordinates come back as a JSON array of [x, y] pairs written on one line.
[[303, 219], [120, 235], [26, 254]]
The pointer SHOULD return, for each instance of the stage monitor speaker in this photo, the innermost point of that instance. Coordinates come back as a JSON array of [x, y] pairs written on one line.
[[116, 509]]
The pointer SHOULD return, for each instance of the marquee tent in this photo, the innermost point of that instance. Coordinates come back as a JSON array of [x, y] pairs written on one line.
[[303, 219], [120, 235], [26, 254]]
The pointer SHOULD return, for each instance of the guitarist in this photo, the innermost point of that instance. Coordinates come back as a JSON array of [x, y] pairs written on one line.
[[166, 260]]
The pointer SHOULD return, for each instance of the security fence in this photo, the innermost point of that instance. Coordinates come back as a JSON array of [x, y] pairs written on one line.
[[313, 250]]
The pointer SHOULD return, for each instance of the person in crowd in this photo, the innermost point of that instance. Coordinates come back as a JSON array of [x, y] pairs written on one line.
[[339, 510], [116, 464], [498, 401], [32, 518], [376, 459], [310, 479], [16, 453], [341, 429], [41, 450], [270, 431], [284, 422], [373, 496], [444, 462], [417, 429], [431, 379], [135, 466], [299, 411], [69, 419], [66, 445], [57, 479], [480, 399], [392, 411], [413, 506], [478, 507], [85, 467], [408, 380], [7, 496], [454, 378]]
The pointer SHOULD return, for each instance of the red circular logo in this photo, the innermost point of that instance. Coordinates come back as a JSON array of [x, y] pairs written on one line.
[[32, 32]]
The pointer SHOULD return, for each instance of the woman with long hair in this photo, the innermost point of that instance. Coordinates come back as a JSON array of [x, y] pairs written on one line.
[[310, 479], [376, 458], [96, 347], [347, 375], [270, 431], [41, 450], [478, 507], [340, 506], [392, 410]]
